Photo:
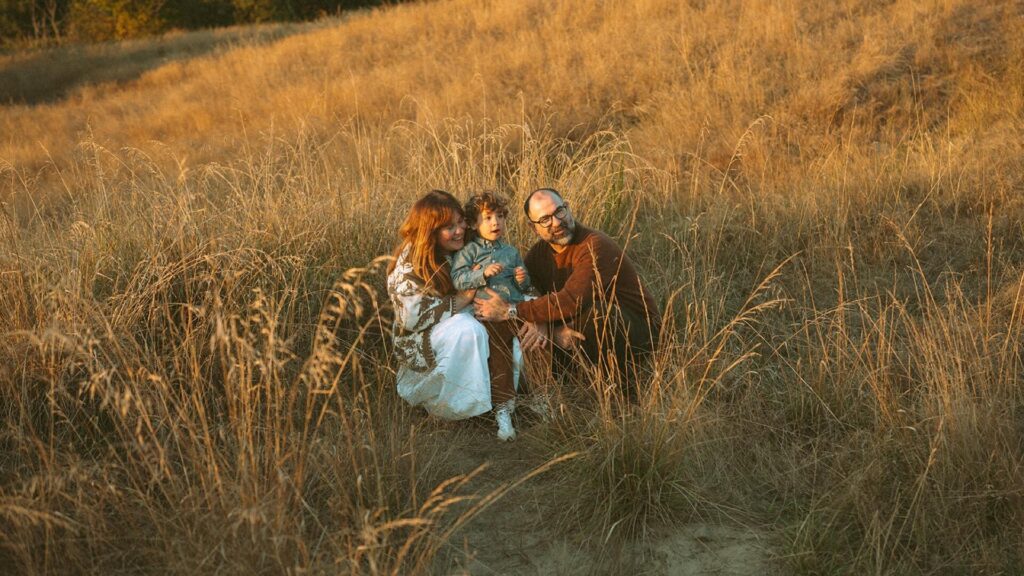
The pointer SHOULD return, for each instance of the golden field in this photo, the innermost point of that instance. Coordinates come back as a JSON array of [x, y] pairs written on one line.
[[828, 199]]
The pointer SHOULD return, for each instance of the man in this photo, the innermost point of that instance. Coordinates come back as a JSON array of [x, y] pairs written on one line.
[[592, 293]]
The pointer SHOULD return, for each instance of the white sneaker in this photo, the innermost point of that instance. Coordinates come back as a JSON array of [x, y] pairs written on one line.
[[503, 415]]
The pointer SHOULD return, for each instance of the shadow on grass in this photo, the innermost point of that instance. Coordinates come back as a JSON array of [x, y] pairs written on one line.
[[47, 76]]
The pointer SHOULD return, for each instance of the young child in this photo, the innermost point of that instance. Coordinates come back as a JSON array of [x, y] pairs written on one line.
[[488, 260]]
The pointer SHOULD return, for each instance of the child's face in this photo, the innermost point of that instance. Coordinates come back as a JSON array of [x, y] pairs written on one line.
[[490, 225]]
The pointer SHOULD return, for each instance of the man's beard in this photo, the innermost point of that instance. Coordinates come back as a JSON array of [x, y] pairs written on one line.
[[566, 238]]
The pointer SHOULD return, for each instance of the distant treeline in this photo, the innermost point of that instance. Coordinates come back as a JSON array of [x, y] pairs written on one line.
[[57, 21]]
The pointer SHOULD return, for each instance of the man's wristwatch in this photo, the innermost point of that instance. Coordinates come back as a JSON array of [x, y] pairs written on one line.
[[512, 313]]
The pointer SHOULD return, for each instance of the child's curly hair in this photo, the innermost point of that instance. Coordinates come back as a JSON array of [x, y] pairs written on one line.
[[477, 203]]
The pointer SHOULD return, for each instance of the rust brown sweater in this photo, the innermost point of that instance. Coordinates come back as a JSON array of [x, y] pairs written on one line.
[[591, 273]]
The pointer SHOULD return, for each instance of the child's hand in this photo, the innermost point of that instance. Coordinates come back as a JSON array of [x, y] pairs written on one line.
[[520, 274], [493, 270]]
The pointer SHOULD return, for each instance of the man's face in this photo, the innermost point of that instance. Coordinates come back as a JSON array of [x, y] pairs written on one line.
[[560, 230], [490, 225]]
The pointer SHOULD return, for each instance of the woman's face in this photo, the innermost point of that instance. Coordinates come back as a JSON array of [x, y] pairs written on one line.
[[451, 237]]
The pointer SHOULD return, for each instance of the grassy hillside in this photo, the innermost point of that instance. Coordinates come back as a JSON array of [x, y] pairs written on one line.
[[826, 196]]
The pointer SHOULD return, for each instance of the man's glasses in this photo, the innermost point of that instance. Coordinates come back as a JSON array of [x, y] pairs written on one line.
[[560, 213]]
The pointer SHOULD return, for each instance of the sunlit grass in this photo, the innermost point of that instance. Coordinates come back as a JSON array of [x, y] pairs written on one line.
[[194, 362]]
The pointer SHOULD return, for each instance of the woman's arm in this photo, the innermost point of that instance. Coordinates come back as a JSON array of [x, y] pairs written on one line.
[[419, 311], [416, 308], [464, 298]]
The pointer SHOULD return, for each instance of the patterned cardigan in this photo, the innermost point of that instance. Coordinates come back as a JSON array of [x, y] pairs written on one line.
[[417, 310]]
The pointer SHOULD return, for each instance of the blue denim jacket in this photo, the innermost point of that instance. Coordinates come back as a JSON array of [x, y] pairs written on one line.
[[483, 253]]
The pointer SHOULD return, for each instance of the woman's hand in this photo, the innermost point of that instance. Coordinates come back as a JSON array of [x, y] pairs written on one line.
[[566, 338], [464, 298], [533, 336]]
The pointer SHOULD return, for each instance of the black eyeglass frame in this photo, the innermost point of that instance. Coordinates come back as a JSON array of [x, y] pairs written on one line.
[[545, 221]]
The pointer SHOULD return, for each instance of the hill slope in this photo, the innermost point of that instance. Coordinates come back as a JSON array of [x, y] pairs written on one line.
[[826, 197]]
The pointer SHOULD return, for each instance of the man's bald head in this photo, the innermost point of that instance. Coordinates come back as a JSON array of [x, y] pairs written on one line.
[[550, 216], [539, 193]]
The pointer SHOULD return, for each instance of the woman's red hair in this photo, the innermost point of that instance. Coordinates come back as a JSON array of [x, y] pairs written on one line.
[[419, 231]]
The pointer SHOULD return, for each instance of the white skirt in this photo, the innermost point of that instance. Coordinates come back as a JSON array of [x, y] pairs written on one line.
[[459, 386]]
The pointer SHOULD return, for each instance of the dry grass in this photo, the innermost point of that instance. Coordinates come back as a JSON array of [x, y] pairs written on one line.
[[827, 197]]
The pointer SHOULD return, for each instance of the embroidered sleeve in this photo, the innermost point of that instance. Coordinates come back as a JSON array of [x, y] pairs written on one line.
[[415, 309], [416, 313]]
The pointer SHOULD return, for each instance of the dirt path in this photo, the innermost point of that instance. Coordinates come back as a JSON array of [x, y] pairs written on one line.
[[518, 534]]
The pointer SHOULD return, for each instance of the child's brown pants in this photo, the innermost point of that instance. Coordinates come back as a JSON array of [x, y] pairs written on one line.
[[499, 360]]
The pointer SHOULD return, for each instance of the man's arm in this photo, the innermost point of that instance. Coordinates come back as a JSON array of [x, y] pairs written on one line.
[[589, 272]]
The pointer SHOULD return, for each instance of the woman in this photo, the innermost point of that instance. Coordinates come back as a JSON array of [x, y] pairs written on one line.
[[444, 357]]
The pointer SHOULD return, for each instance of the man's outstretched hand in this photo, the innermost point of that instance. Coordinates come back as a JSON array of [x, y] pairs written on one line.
[[493, 309], [532, 336], [566, 338]]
